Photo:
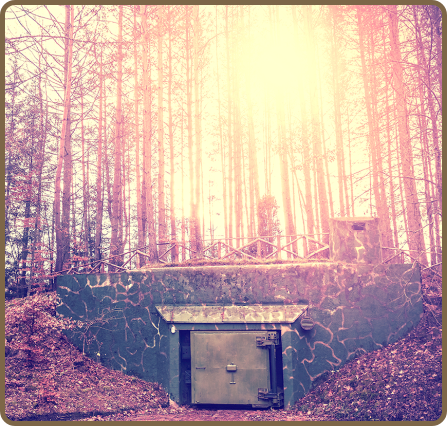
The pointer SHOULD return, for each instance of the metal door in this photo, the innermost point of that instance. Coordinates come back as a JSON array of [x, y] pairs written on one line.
[[229, 367]]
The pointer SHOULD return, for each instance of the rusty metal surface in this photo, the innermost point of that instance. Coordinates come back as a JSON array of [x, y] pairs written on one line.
[[278, 314]]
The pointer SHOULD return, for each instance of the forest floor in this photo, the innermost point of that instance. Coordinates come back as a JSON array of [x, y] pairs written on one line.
[[402, 381]]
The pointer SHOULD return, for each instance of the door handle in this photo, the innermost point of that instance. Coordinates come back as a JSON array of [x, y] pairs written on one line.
[[232, 368]]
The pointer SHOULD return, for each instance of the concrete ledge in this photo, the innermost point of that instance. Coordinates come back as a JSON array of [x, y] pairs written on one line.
[[260, 314]]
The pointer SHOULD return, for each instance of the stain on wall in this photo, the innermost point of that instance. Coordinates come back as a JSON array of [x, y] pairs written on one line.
[[356, 307], [355, 240]]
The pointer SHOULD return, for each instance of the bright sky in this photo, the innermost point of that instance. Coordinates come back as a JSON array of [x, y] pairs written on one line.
[[274, 66]]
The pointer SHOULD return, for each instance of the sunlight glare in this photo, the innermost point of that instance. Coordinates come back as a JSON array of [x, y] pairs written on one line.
[[278, 64]]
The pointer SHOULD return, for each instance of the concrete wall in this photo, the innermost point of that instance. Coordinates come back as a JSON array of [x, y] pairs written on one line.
[[356, 308], [355, 240]]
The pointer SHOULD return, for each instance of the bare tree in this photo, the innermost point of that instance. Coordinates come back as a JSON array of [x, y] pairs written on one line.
[[416, 240], [62, 226]]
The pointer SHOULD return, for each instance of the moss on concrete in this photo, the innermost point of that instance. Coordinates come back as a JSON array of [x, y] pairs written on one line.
[[355, 307]]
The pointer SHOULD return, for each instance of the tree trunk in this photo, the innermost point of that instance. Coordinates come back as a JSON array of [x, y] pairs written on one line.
[[337, 109], [9, 140], [284, 166], [237, 150], [416, 240], [317, 204], [267, 143], [384, 214], [424, 145], [108, 183], [192, 224], [99, 191], [230, 134], [390, 170], [323, 143], [367, 89], [123, 221], [222, 147], [62, 229], [198, 153], [316, 136], [23, 290], [379, 197], [183, 194], [350, 164], [306, 163], [252, 151], [115, 243], [435, 14], [171, 145], [161, 151], [147, 198], [431, 108], [68, 165], [140, 230], [85, 185], [37, 235]]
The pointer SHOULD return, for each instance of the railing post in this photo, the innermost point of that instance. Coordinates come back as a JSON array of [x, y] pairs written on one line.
[[278, 246], [219, 250], [258, 251]]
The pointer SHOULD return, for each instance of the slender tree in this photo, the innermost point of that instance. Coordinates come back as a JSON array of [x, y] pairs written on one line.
[[171, 132], [306, 151], [147, 198], [229, 127], [62, 230], [161, 151], [99, 190], [221, 147], [416, 241], [115, 241], [140, 230], [197, 238], [315, 126]]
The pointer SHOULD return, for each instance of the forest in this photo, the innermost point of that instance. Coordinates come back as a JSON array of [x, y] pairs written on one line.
[[144, 134]]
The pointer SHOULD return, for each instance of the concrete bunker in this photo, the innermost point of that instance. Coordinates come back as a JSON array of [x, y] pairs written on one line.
[[260, 335]]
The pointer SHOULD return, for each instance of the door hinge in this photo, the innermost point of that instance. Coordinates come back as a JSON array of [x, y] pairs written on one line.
[[276, 397], [271, 339]]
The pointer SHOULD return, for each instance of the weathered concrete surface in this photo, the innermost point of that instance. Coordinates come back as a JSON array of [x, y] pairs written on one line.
[[356, 308], [355, 240]]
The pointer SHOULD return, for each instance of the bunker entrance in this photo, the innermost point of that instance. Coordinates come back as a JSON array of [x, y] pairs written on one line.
[[231, 367]]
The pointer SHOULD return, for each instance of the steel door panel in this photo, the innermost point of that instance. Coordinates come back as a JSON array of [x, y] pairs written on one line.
[[212, 352]]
